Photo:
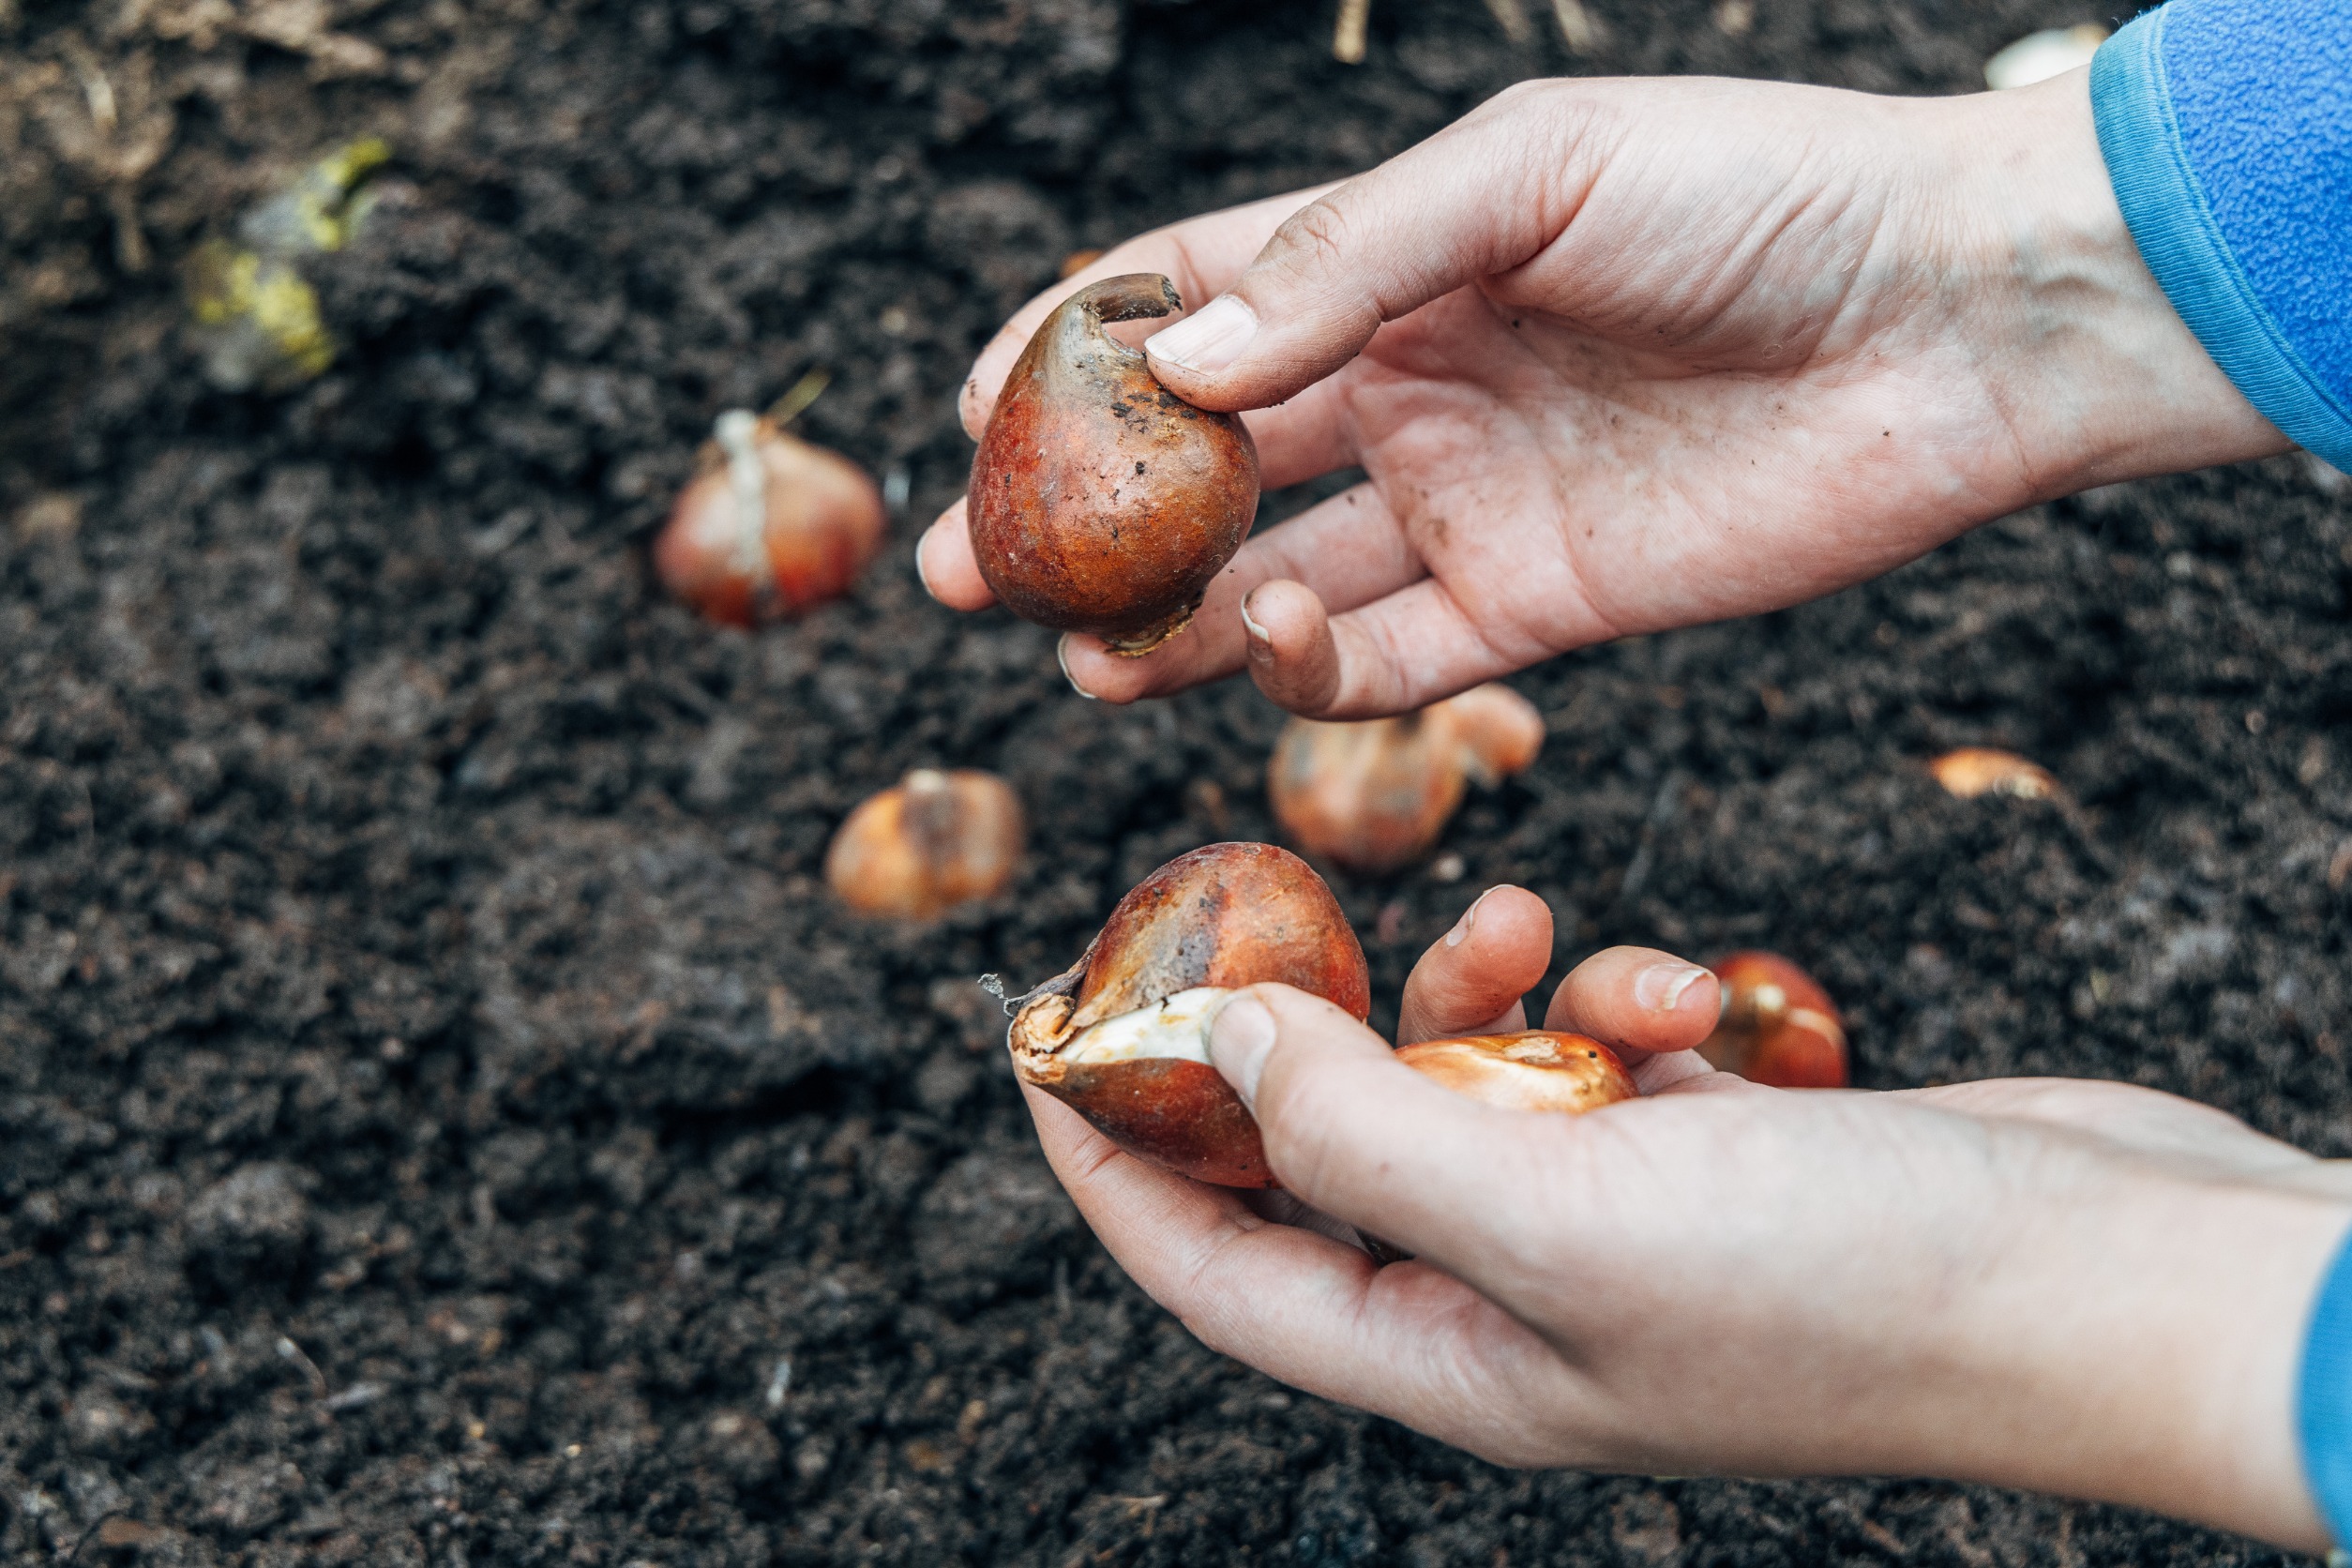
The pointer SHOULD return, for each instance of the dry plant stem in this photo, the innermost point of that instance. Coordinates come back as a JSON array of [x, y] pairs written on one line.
[[1347, 39], [1579, 28], [1510, 15]]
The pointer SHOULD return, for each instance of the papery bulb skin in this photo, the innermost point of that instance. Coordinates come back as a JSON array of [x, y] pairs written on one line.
[[1122, 1036], [1779, 1027], [1374, 796], [770, 526], [1101, 502], [1983, 769], [1530, 1069], [928, 844]]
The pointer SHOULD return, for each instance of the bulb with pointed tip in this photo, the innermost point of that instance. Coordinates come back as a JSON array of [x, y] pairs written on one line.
[[771, 526], [922, 846], [1375, 795], [1101, 502], [1121, 1037], [1779, 1027]]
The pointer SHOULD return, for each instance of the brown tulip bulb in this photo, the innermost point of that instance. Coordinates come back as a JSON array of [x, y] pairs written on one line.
[[1533, 1069], [769, 526], [1100, 501], [1122, 1036], [1980, 770], [1375, 795], [922, 846], [1779, 1027]]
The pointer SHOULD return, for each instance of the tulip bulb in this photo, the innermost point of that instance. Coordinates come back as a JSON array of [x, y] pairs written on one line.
[[1373, 796], [1121, 1037], [1531, 1069], [1980, 770], [1100, 501], [1778, 1027], [922, 846], [770, 526]]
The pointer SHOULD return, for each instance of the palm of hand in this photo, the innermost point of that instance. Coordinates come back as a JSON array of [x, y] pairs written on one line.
[[1533, 487]]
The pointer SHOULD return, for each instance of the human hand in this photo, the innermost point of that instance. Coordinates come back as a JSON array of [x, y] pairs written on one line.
[[2091, 1289], [1623, 356]]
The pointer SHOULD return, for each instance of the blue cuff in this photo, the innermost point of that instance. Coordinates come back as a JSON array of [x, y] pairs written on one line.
[[2140, 137], [2324, 1400]]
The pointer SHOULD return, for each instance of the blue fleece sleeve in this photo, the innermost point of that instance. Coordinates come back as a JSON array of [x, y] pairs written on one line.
[[2227, 131], [2323, 1413]]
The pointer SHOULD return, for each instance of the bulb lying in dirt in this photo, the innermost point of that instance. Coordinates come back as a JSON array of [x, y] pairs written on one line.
[[770, 526], [1101, 502], [1980, 770], [932, 842], [1122, 1036], [1533, 1069], [1778, 1026], [1377, 795]]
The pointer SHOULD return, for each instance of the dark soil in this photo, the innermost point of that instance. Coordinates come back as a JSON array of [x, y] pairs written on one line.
[[445, 1120]]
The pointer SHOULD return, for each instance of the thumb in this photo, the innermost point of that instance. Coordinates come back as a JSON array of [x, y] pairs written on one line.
[[1479, 198], [1357, 1134]]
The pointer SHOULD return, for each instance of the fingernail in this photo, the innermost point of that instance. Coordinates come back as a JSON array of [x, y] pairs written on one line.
[[1207, 340], [1461, 931], [1061, 657], [920, 574], [1660, 985], [1260, 640], [1238, 1038]]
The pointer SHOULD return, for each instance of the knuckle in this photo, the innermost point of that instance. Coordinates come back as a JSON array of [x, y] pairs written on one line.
[[1315, 234]]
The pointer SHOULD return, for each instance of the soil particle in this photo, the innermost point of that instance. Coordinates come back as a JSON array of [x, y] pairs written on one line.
[[411, 947]]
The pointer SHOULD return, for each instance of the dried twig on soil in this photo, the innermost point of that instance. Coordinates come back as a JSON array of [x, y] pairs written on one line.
[[113, 148]]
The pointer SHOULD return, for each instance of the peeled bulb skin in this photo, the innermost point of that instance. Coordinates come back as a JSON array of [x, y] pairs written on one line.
[[1100, 501], [1374, 796], [1533, 1069], [1122, 1036], [770, 526], [932, 842], [1779, 1027]]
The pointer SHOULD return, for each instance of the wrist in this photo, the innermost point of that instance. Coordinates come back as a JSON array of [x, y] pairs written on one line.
[[2161, 1338], [2098, 377]]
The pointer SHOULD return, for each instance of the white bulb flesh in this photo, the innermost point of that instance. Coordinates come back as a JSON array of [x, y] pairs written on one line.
[[1176, 1028]]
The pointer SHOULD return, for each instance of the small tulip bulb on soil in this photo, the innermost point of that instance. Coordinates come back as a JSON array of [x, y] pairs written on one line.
[[1983, 769], [770, 526], [1375, 795], [1101, 502], [924, 845]]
